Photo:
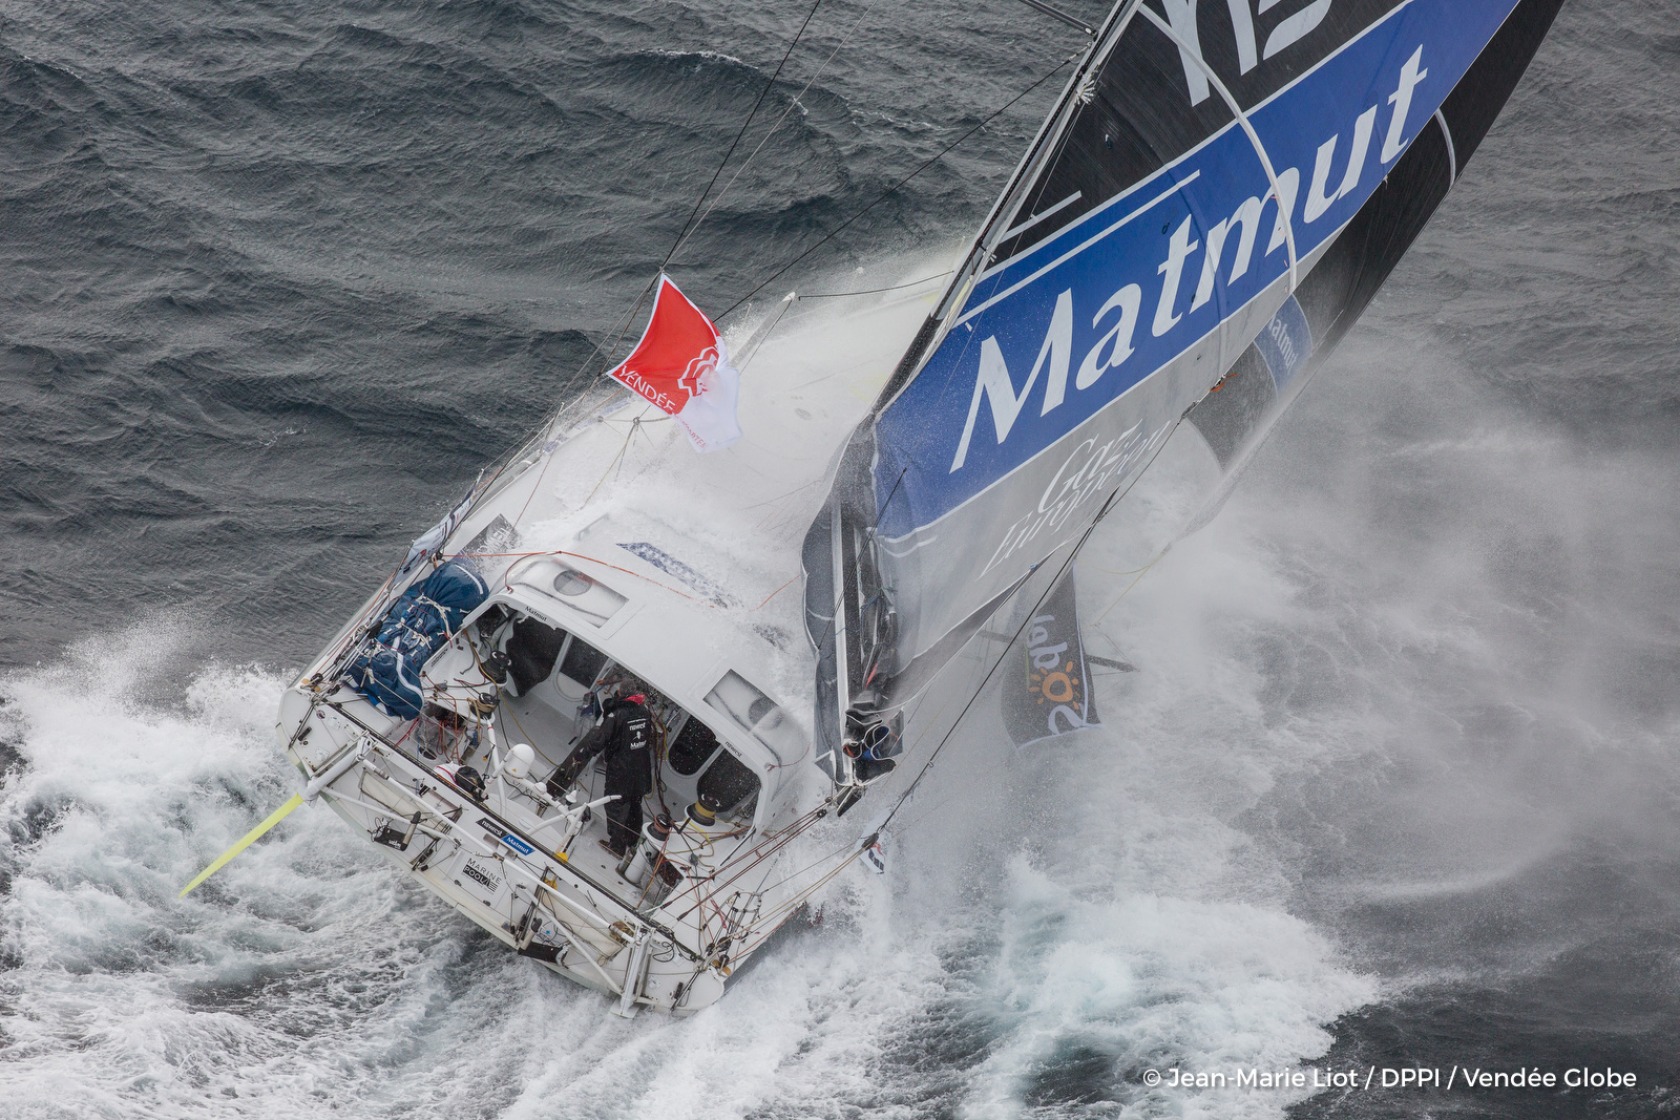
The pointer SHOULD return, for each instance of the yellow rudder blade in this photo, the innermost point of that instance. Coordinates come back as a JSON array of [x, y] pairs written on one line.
[[245, 841]]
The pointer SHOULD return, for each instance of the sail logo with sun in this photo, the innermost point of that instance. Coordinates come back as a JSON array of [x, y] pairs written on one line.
[[1053, 696], [1057, 683]]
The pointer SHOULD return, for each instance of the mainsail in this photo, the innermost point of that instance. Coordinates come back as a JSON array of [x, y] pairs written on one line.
[[1217, 194]]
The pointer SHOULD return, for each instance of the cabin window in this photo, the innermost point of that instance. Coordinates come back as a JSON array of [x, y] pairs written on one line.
[[532, 648], [495, 617], [583, 662], [694, 744], [727, 784]]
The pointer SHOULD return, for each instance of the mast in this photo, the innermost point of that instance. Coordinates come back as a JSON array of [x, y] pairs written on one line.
[[1009, 201]]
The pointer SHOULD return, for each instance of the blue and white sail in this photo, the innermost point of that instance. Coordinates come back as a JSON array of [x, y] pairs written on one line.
[[1169, 224]]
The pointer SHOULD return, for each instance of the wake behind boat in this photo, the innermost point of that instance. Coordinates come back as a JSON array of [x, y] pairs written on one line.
[[610, 707]]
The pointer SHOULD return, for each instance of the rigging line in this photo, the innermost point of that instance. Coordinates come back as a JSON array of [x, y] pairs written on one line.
[[761, 850], [884, 195], [792, 105], [1114, 499], [845, 853], [877, 291], [548, 458], [1057, 124], [1057, 13], [776, 915], [616, 459], [682, 234], [1137, 579], [1032, 199], [778, 591], [619, 327], [781, 497], [624, 324]]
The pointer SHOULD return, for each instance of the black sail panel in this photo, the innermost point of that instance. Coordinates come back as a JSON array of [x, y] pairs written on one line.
[[1128, 130]]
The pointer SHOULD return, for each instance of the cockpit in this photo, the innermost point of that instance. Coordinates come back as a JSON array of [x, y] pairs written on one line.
[[555, 682], [562, 678], [500, 694]]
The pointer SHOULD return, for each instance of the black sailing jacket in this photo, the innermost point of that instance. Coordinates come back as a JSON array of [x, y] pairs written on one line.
[[625, 735]]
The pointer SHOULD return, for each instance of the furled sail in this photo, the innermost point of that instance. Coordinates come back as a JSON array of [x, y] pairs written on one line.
[[1217, 194]]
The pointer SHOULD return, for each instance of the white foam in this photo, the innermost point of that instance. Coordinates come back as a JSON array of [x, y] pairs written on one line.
[[306, 978]]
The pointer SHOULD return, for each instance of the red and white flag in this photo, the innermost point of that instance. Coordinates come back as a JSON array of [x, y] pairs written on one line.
[[682, 366]]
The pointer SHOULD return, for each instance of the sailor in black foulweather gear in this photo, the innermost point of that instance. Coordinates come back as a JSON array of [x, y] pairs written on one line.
[[625, 738]]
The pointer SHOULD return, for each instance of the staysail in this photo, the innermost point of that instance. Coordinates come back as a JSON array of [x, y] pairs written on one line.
[[1220, 189]]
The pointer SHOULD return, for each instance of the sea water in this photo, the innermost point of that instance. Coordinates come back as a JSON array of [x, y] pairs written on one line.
[[1392, 788]]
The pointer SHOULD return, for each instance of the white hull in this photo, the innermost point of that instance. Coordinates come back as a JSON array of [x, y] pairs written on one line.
[[644, 558]]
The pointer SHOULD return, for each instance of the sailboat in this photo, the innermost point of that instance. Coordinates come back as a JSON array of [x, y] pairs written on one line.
[[808, 612]]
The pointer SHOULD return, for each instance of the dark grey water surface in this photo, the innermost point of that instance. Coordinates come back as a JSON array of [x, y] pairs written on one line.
[[278, 278]]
